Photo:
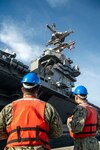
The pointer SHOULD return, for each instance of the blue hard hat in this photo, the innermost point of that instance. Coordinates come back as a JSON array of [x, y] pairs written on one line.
[[80, 90], [31, 78]]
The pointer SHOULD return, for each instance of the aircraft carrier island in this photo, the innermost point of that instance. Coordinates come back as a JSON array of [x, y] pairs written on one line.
[[58, 76]]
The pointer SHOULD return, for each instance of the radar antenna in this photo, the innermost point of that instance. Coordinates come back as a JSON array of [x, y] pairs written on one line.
[[58, 38]]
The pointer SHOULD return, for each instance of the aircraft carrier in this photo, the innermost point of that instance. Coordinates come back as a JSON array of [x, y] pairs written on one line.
[[58, 76]]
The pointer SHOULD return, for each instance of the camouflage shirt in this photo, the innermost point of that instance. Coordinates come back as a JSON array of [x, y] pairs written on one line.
[[76, 125], [51, 117], [78, 121]]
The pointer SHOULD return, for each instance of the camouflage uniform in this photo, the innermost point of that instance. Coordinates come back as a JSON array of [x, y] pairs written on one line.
[[51, 117], [76, 125]]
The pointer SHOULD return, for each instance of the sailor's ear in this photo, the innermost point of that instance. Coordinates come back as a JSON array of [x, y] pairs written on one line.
[[76, 98]]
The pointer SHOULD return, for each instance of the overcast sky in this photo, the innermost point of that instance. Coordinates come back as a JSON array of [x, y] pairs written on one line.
[[23, 30]]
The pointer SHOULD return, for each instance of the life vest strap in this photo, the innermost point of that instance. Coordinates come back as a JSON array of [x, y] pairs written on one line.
[[18, 129], [88, 132], [19, 139], [28, 139], [90, 124]]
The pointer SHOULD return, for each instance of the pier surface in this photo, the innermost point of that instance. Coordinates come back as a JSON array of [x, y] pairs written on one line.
[[64, 148]]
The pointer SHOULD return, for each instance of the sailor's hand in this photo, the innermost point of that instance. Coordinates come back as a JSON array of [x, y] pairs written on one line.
[[69, 119]]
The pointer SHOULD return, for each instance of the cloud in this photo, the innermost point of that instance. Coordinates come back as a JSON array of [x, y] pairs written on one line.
[[55, 3], [13, 38]]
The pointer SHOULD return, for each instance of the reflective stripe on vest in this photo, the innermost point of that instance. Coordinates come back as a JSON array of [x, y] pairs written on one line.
[[90, 123], [28, 126]]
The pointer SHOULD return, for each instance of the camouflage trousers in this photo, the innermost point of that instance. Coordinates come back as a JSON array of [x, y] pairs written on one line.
[[25, 148], [88, 143]]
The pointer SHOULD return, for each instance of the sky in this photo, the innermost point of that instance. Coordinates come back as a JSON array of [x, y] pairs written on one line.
[[23, 30]]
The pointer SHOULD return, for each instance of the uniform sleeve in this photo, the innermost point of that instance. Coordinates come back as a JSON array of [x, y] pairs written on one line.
[[53, 119], [5, 116], [76, 123]]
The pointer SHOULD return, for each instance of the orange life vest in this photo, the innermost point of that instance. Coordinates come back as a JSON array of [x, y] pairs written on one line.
[[90, 123], [28, 127]]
